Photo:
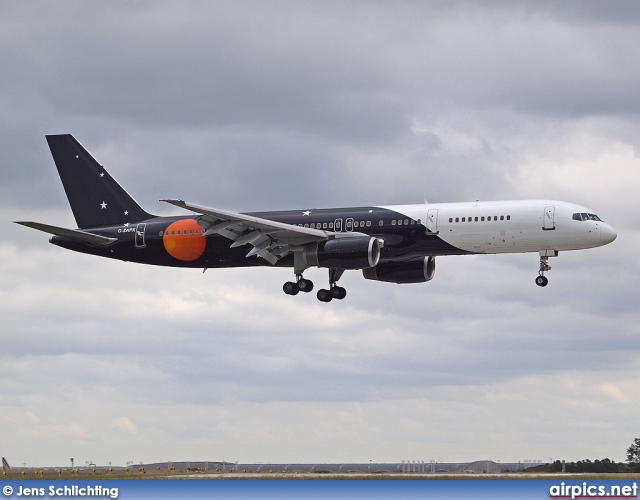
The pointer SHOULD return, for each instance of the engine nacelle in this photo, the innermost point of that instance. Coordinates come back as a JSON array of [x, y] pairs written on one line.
[[358, 252], [410, 271]]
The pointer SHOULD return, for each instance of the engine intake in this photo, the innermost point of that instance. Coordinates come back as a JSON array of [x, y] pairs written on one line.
[[359, 252], [410, 271]]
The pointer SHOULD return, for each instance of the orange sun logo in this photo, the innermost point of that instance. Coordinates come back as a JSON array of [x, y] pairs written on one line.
[[184, 240]]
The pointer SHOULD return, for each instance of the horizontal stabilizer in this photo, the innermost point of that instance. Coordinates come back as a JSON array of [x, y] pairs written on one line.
[[74, 234]]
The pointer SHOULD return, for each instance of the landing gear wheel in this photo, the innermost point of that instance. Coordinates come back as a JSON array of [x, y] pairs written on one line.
[[542, 281], [290, 288], [337, 292], [305, 285], [324, 295]]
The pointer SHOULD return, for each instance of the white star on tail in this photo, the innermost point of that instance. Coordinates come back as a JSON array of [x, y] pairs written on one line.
[[103, 205]]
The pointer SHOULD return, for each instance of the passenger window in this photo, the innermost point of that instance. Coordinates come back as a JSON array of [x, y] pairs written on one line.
[[463, 219], [361, 223], [482, 219], [450, 219], [502, 217], [306, 225], [368, 223], [406, 222], [380, 223], [476, 219], [457, 219], [508, 217], [324, 225], [495, 217], [393, 222]]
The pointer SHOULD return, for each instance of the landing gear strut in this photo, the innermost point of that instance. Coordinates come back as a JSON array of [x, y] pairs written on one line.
[[541, 279], [335, 291]]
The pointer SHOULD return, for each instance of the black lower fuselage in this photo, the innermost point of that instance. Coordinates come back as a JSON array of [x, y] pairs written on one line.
[[173, 241]]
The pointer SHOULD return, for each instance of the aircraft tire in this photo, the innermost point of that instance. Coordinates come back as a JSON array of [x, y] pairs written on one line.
[[305, 285], [324, 295], [290, 288], [542, 281], [337, 292]]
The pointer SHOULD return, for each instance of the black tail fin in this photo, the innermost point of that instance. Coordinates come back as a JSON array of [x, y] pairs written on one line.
[[95, 197], [5, 464]]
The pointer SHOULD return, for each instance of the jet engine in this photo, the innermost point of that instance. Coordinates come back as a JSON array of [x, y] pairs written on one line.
[[410, 271], [358, 252]]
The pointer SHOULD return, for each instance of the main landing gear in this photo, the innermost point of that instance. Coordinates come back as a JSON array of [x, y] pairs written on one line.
[[541, 279], [324, 295]]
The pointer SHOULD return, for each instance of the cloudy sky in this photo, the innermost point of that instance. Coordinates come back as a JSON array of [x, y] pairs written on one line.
[[294, 105]]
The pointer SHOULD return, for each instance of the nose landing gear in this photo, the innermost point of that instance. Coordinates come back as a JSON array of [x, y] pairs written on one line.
[[541, 279]]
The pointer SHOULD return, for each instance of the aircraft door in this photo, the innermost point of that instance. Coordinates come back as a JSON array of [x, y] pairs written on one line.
[[349, 225], [139, 241], [549, 219], [432, 221], [337, 225]]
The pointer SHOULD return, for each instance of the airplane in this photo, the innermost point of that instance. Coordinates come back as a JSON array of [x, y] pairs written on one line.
[[5, 464], [396, 244]]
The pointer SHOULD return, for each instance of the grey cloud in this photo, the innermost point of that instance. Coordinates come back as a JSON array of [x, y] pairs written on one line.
[[288, 105]]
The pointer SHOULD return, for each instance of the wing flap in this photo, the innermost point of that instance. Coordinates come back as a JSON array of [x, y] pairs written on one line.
[[270, 240]]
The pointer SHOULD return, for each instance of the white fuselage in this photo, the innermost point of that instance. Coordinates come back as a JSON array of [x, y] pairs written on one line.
[[512, 226]]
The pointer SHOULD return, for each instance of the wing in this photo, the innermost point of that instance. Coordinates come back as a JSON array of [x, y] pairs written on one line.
[[74, 234], [270, 240]]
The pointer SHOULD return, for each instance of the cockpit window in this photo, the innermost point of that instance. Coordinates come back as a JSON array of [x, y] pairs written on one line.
[[586, 217]]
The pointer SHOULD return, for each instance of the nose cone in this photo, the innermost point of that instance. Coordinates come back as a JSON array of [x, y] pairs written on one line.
[[607, 234]]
